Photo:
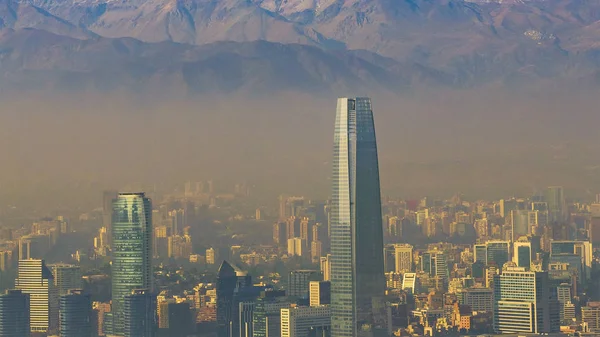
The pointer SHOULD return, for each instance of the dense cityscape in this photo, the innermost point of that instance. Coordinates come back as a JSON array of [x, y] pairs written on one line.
[[210, 260]]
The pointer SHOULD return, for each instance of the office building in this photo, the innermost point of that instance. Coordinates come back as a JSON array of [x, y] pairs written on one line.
[[557, 207], [75, 314], [480, 253], [320, 293], [266, 319], [357, 271], [229, 278], [245, 314], [35, 278], [590, 314], [175, 319], [389, 258], [298, 321], [523, 302], [139, 314], [132, 251], [497, 252], [434, 263], [479, 299], [522, 254], [403, 257], [14, 314], [520, 224], [66, 277], [298, 282], [409, 283], [563, 251]]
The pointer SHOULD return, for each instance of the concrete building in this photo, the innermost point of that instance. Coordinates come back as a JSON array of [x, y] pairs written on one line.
[[298, 321]]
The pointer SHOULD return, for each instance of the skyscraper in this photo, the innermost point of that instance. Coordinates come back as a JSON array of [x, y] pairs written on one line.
[[520, 224], [75, 314], [36, 280], [66, 276], [229, 278], [357, 271], [523, 302], [557, 207], [14, 314], [132, 250]]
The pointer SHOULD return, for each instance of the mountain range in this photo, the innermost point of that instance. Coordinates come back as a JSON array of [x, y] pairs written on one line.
[[201, 46]]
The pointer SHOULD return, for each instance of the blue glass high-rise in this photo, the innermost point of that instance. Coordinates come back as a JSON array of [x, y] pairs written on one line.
[[357, 270], [131, 251], [75, 314]]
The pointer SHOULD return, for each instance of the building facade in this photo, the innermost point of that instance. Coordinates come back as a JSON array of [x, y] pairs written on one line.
[[299, 321], [132, 251], [357, 270], [14, 314], [523, 302], [139, 314], [35, 278], [75, 314]]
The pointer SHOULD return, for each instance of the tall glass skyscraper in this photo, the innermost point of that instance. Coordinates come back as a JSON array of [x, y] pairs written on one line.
[[357, 270], [132, 251]]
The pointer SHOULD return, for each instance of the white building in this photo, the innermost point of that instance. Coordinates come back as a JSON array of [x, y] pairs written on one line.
[[36, 279], [298, 321], [403, 255]]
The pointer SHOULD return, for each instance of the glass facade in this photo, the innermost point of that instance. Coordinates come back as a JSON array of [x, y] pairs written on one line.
[[497, 253], [357, 270], [132, 249], [75, 314], [139, 314], [14, 314]]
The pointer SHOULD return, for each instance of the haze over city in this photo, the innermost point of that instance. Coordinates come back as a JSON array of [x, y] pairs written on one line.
[[347, 168]]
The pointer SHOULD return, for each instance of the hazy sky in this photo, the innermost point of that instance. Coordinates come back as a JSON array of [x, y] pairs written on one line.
[[63, 150]]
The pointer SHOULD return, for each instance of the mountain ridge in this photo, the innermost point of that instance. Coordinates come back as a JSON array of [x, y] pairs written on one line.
[[391, 45]]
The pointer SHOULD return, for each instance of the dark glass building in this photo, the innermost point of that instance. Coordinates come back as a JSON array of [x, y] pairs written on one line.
[[14, 314], [357, 271], [75, 314], [229, 278], [139, 314], [266, 318], [299, 280], [132, 251]]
